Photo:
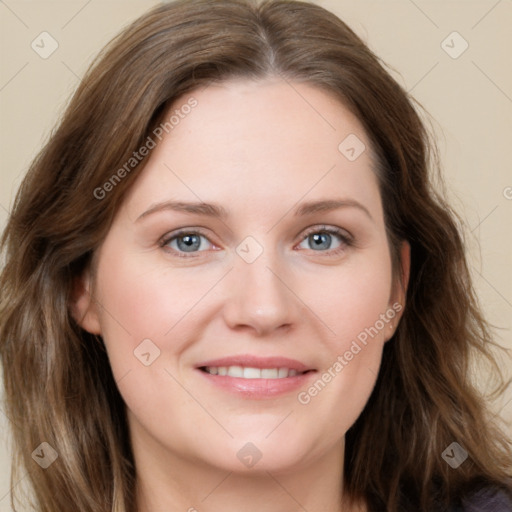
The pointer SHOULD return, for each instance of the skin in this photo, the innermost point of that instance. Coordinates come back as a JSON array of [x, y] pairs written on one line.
[[259, 150]]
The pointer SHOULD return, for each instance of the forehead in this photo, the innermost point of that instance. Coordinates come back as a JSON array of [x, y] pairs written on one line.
[[246, 142]]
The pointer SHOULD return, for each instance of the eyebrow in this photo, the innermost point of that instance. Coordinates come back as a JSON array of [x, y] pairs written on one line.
[[312, 207], [198, 208], [217, 211]]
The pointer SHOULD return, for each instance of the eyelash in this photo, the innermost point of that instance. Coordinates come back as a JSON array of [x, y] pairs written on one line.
[[345, 239]]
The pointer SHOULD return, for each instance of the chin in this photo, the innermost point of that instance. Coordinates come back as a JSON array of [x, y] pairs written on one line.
[[253, 454]]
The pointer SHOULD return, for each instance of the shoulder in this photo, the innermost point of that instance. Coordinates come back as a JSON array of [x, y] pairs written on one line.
[[489, 499]]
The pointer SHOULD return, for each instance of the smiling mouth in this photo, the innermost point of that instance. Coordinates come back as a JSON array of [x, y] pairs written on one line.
[[252, 373]]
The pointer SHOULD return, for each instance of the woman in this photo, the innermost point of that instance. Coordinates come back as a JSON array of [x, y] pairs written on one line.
[[229, 283]]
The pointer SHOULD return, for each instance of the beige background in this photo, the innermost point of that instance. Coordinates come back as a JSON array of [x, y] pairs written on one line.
[[470, 97]]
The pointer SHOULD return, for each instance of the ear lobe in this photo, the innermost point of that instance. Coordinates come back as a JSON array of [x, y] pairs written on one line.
[[83, 306]]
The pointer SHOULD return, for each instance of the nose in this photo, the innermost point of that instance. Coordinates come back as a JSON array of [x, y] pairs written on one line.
[[258, 298]]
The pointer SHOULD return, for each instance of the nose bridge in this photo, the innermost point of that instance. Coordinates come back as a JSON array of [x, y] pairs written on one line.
[[257, 298]]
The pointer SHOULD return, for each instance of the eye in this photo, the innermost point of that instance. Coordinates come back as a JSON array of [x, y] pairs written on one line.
[[325, 239], [186, 242]]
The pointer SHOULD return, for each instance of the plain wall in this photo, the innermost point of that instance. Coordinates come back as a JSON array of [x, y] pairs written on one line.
[[469, 96]]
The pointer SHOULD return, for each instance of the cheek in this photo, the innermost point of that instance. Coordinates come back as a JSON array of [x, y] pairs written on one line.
[[350, 300], [139, 305], [147, 317], [355, 306], [140, 299]]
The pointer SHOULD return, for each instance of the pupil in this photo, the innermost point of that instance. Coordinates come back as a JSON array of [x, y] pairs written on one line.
[[321, 241], [189, 243]]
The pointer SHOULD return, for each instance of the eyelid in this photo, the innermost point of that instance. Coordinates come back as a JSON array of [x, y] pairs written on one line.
[[169, 237], [345, 237], [325, 228]]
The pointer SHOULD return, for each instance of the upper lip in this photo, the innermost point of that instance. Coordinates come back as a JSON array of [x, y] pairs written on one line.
[[250, 361]]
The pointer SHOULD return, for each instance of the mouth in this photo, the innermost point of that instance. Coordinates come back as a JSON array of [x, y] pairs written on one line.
[[241, 372], [255, 377]]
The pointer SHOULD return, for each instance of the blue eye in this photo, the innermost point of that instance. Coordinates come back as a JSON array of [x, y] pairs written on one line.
[[325, 239], [187, 242], [320, 239]]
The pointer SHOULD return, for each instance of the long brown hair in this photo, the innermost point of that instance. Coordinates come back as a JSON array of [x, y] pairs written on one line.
[[58, 382]]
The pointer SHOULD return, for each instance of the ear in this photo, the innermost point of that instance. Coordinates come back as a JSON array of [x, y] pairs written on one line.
[[84, 308], [399, 292]]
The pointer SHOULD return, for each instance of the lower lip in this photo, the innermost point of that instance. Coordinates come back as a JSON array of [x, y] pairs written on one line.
[[258, 389]]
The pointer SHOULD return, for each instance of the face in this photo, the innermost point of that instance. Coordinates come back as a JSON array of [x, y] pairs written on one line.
[[244, 291]]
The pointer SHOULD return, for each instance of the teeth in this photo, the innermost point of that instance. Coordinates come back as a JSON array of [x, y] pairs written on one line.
[[235, 371], [270, 373], [254, 373], [251, 373]]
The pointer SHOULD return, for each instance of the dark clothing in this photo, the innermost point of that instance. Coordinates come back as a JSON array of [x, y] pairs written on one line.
[[487, 500]]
